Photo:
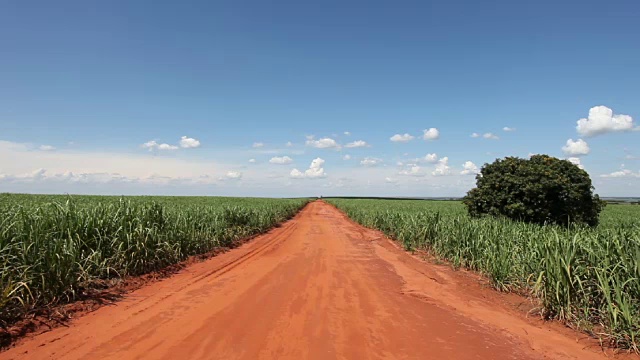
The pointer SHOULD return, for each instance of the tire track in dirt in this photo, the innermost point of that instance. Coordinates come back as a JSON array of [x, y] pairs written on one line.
[[318, 287]]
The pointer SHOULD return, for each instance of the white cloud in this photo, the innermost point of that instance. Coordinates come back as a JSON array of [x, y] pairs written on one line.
[[508, 129], [21, 159], [576, 148], [185, 143], [346, 157], [357, 144], [402, 138], [47, 148], [167, 147], [490, 136], [296, 174], [324, 143], [576, 161], [347, 133], [43, 180], [289, 144], [189, 143], [414, 170], [281, 160], [390, 180], [469, 168], [622, 173], [43, 175], [130, 173], [252, 161], [431, 158], [371, 161], [314, 171], [153, 145], [442, 168], [257, 145], [431, 134], [233, 175], [601, 120]]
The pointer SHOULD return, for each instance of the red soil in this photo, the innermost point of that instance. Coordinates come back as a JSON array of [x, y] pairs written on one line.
[[319, 287]]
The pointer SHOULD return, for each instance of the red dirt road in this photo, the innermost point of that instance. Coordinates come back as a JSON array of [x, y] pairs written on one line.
[[319, 287]]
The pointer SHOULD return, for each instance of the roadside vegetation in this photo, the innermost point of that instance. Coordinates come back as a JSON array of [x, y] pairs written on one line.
[[53, 249], [586, 276]]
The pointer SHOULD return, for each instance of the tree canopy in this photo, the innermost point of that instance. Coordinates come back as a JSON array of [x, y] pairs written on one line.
[[541, 189]]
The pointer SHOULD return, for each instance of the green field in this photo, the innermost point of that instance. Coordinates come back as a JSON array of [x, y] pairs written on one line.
[[52, 248], [587, 277]]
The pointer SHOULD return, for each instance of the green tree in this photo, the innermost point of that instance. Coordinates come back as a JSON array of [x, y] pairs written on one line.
[[542, 190]]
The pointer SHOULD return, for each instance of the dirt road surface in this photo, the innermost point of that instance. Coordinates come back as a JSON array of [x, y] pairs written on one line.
[[318, 287]]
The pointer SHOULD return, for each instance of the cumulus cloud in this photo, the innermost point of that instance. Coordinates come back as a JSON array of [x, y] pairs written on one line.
[[281, 160], [346, 157], [314, 171], [296, 174], [469, 168], [324, 143], [602, 120], [442, 168], [153, 145], [431, 158], [252, 161], [347, 133], [233, 175], [357, 144], [257, 145], [414, 170], [46, 148], [576, 148], [508, 129], [489, 136], [43, 175], [402, 138], [189, 143], [185, 143], [575, 161], [46, 179], [371, 161], [431, 134], [622, 173], [21, 159], [167, 147]]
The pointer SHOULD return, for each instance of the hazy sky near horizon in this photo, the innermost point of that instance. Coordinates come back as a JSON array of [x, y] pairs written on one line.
[[291, 98]]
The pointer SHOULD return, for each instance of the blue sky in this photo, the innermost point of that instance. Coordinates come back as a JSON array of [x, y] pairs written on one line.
[[85, 85]]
